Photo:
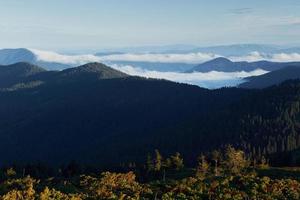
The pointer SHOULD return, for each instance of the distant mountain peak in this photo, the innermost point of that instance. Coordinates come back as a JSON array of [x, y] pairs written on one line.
[[220, 60], [217, 64], [11, 56], [94, 67]]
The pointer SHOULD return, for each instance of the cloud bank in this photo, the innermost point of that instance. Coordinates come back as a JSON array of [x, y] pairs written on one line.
[[278, 57], [210, 80], [48, 56], [188, 58], [283, 57]]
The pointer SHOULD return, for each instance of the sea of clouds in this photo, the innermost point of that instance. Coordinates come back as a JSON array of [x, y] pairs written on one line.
[[211, 79], [189, 58]]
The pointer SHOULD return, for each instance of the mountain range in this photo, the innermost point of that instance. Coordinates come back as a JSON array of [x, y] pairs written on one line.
[[173, 58], [240, 49], [222, 64], [11, 56], [96, 115]]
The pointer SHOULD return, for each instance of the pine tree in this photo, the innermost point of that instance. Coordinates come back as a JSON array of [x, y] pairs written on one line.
[[216, 157], [177, 161], [150, 166], [202, 168], [235, 160], [157, 161]]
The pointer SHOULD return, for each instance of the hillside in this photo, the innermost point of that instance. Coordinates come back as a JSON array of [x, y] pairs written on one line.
[[75, 104], [17, 73], [272, 78], [98, 116]]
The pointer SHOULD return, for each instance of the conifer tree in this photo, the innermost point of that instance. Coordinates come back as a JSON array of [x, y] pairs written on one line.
[[177, 161], [158, 161], [203, 168], [235, 160], [216, 157], [150, 166]]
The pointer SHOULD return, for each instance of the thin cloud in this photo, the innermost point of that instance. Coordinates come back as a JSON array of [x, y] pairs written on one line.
[[290, 20], [241, 11], [261, 20]]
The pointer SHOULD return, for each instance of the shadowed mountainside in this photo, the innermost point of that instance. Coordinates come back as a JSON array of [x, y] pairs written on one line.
[[95, 115]]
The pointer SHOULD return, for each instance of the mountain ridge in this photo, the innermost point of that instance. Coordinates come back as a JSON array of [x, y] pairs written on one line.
[[17, 73], [226, 65], [272, 78], [24, 72], [98, 70]]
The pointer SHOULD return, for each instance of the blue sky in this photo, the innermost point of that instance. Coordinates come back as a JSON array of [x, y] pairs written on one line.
[[96, 24]]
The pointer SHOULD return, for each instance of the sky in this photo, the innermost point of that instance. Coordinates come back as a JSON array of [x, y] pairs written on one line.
[[98, 24]]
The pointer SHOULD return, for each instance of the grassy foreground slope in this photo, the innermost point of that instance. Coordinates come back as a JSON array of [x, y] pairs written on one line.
[[219, 175]]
